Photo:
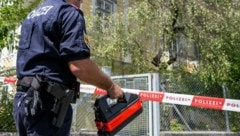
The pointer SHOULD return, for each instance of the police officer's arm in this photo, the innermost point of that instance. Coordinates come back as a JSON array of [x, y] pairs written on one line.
[[87, 71]]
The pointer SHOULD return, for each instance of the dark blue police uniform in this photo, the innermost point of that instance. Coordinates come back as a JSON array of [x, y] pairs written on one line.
[[51, 36]]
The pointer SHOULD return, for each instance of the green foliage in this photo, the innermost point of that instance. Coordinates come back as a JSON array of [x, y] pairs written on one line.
[[234, 119], [175, 126], [10, 17], [119, 35], [213, 27], [6, 109], [209, 28]]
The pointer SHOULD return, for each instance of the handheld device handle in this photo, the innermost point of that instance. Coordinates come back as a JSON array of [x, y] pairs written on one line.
[[123, 99]]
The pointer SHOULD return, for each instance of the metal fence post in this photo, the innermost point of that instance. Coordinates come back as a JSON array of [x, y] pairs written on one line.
[[156, 109], [226, 112]]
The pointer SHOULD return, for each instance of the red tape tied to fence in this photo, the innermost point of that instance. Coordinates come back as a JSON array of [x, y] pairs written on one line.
[[171, 98]]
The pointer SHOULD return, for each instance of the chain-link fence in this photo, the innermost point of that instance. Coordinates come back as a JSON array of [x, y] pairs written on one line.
[[172, 117], [184, 118], [84, 113]]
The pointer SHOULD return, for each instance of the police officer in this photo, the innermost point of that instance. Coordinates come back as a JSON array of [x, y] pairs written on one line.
[[53, 48]]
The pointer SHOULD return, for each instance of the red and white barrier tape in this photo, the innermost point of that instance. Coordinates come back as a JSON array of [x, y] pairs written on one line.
[[12, 80], [172, 98]]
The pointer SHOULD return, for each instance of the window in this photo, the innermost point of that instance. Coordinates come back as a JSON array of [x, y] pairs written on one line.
[[104, 7]]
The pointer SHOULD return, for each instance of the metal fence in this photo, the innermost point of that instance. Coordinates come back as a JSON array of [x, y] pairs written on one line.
[[184, 118], [141, 126], [156, 117]]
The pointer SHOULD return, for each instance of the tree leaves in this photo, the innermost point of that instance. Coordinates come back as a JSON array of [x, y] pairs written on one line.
[[210, 26], [11, 16]]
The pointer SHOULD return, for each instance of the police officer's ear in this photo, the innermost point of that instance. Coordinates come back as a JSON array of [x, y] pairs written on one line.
[[76, 3]]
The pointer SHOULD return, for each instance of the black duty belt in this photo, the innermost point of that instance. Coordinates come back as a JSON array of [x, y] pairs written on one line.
[[24, 83]]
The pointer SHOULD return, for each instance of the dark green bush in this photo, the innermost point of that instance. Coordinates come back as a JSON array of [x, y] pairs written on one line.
[[6, 109]]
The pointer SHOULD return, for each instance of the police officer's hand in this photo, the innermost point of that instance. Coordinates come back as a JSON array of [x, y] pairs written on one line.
[[115, 92]]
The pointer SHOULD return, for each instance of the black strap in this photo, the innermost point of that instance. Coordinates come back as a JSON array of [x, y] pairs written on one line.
[[30, 81], [24, 83], [22, 89]]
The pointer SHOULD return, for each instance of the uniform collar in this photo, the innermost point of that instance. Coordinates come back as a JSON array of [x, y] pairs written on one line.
[[75, 6], [78, 9]]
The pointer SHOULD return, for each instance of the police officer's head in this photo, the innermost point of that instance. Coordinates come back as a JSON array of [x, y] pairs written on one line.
[[76, 3]]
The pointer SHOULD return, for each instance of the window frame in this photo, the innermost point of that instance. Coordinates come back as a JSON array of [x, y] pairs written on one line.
[[101, 10]]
